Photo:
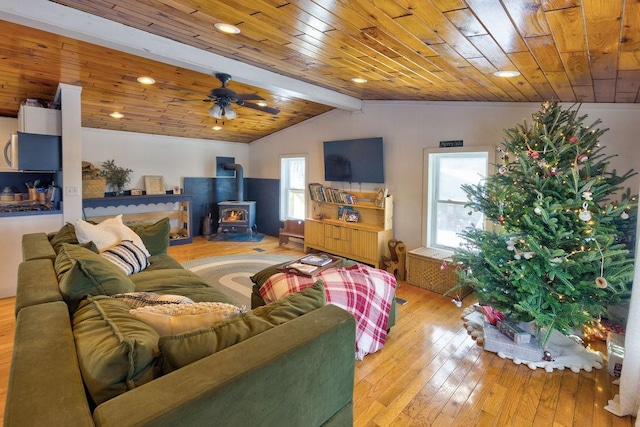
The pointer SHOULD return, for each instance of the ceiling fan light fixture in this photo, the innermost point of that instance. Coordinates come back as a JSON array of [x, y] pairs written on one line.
[[146, 80], [507, 73], [359, 80], [262, 103], [216, 111], [217, 127], [230, 113], [116, 115], [227, 28]]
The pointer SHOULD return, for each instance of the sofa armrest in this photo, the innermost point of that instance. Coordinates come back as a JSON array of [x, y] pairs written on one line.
[[301, 372], [37, 246], [45, 384], [37, 284]]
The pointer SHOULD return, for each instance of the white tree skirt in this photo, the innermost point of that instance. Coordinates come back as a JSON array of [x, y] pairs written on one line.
[[566, 352]]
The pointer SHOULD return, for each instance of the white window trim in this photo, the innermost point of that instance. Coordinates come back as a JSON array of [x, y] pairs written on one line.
[[306, 182], [425, 217]]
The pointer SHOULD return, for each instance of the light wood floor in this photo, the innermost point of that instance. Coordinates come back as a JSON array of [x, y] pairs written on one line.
[[430, 373]]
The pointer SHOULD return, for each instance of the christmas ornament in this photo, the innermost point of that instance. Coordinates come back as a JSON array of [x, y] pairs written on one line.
[[501, 218], [553, 171], [573, 139], [624, 215], [585, 215], [502, 170], [601, 282], [556, 260], [587, 195], [582, 158], [546, 356], [533, 154], [538, 210]]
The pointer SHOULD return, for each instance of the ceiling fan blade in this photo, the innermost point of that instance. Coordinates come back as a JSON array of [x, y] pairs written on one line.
[[248, 97], [189, 100], [259, 108]]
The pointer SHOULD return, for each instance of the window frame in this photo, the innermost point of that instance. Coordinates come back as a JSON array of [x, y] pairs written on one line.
[[284, 189], [429, 205]]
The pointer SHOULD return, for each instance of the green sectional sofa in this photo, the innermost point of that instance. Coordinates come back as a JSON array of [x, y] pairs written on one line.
[[289, 364]]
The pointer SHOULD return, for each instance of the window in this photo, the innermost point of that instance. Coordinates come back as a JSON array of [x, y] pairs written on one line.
[[446, 171], [292, 187]]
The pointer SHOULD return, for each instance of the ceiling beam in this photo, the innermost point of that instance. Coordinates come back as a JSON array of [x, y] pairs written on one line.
[[55, 18]]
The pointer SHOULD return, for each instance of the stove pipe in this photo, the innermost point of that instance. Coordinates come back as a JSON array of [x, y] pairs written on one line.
[[239, 179]]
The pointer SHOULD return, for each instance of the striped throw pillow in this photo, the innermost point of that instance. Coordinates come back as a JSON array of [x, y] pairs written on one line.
[[127, 256]]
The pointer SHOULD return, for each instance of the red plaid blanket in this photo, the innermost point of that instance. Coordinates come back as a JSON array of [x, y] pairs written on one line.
[[365, 292]]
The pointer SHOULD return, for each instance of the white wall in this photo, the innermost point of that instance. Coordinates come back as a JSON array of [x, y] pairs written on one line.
[[173, 158], [409, 127]]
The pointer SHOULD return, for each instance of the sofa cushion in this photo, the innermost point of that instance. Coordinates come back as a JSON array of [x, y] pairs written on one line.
[[107, 234], [293, 305], [176, 281], [174, 319], [142, 299], [127, 257], [116, 351], [155, 236], [82, 272], [183, 349]]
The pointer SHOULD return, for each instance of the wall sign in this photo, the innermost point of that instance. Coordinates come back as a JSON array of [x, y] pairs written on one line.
[[452, 143]]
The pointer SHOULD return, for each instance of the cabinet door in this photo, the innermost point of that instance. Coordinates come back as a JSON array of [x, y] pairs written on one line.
[[364, 244], [313, 233], [337, 238], [39, 120]]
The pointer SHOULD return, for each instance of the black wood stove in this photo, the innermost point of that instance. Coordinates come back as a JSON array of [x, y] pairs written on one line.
[[237, 216]]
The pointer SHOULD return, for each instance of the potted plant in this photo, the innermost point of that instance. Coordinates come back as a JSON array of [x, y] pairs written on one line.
[[115, 176]]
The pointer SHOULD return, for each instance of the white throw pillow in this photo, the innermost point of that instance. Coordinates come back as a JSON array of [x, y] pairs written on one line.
[[142, 299], [127, 257], [107, 234], [174, 319]]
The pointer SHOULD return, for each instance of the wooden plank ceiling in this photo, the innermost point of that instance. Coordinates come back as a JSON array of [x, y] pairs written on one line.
[[567, 50]]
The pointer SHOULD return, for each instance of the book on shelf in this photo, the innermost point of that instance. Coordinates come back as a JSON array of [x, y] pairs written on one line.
[[381, 194], [317, 260], [302, 268], [320, 193]]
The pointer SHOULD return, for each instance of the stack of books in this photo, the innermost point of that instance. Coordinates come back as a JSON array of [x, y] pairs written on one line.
[[309, 264]]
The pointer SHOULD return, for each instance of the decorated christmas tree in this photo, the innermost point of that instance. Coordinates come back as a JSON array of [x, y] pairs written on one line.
[[559, 251]]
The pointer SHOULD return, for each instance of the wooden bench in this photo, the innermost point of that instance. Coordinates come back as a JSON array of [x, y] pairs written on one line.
[[292, 228]]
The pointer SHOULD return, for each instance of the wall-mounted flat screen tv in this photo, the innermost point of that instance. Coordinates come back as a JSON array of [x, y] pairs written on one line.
[[354, 160]]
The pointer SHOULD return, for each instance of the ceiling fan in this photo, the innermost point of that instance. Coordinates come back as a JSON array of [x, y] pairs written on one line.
[[223, 98]]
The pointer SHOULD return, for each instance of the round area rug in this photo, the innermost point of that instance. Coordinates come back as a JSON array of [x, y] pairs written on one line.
[[231, 273]]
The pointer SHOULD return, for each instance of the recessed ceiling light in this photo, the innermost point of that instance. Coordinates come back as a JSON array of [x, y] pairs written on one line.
[[217, 127], [227, 28], [116, 115], [145, 80], [262, 103], [359, 80], [506, 73]]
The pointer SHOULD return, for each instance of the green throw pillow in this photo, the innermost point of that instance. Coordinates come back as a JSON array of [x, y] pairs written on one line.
[[183, 349], [154, 236], [83, 272], [116, 352], [67, 234]]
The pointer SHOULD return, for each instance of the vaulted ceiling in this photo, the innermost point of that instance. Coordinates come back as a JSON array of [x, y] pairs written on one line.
[[301, 55]]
